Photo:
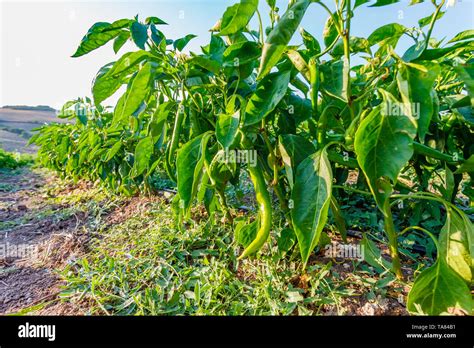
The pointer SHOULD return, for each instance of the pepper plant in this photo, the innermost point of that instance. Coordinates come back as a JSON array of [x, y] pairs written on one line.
[[309, 114]]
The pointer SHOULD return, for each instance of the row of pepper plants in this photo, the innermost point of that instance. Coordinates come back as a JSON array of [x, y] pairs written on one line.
[[308, 113]]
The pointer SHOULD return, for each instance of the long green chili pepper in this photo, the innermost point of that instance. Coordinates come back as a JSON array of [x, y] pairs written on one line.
[[264, 210], [264, 204], [392, 239], [196, 127], [430, 152], [314, 81], [174, 141], [322, 125]]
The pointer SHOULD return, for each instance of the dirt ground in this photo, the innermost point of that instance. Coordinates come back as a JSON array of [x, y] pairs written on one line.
[[34, 243], [37, 239]]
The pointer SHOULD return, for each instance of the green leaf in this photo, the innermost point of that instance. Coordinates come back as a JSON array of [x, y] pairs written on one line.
[[226, 128], [467, 166], [271, 3], [99, 34], [357, 44], [188, 164], [121, 40], [143, 153], [269, 93], [157, 122], [127, 62], [414, 51], [245, 232], [236, 17], [311, 197], [286, 240], [456, 244], [415, 87], [386, 34], [310, 42], [280, 36], [427, 20], [181, 43], [432, 54], [207, 64], [464, 35], [102, 86], [439, 290], [360, 3], [139, 34], [338, 218], [455, 101], [299, 63], [155, 20], [466, 73], [135, 94], [448, 188], [157, 36], [379, 3], [299, 108], [110, 78], [333, 79], [113, 150], [241, 53], [373, 256], [294, 149], [330, 32], [384, 144]]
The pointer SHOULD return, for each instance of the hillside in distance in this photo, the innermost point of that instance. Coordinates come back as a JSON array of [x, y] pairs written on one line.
[[17, 124]]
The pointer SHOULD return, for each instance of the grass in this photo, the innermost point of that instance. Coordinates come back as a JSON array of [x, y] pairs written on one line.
[[145, 265], [140, 267], [137, 261]]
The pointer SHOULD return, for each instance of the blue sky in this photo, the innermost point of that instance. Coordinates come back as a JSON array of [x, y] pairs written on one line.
[[38, 38]]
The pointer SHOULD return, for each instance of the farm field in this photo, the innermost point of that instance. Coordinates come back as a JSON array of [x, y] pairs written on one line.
[[16, 126], [269, 171]]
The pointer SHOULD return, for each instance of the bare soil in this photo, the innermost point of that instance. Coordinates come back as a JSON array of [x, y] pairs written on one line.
[[55, 238], [34, 241]]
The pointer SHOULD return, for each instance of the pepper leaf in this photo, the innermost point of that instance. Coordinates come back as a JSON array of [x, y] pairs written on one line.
[[311, 198]]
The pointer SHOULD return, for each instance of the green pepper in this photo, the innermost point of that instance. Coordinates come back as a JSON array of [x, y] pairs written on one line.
[[264, 210], [314, 73], [322, 125], [264, 204], [424, 150], [174, 141]]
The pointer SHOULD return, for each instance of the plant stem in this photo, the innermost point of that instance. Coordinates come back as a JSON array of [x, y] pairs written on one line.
[[418, 228], [348, 188], [271, 154], [392, 240], [347, 49], [225, 207], [260, 26], [433, 20], [336, 24]]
